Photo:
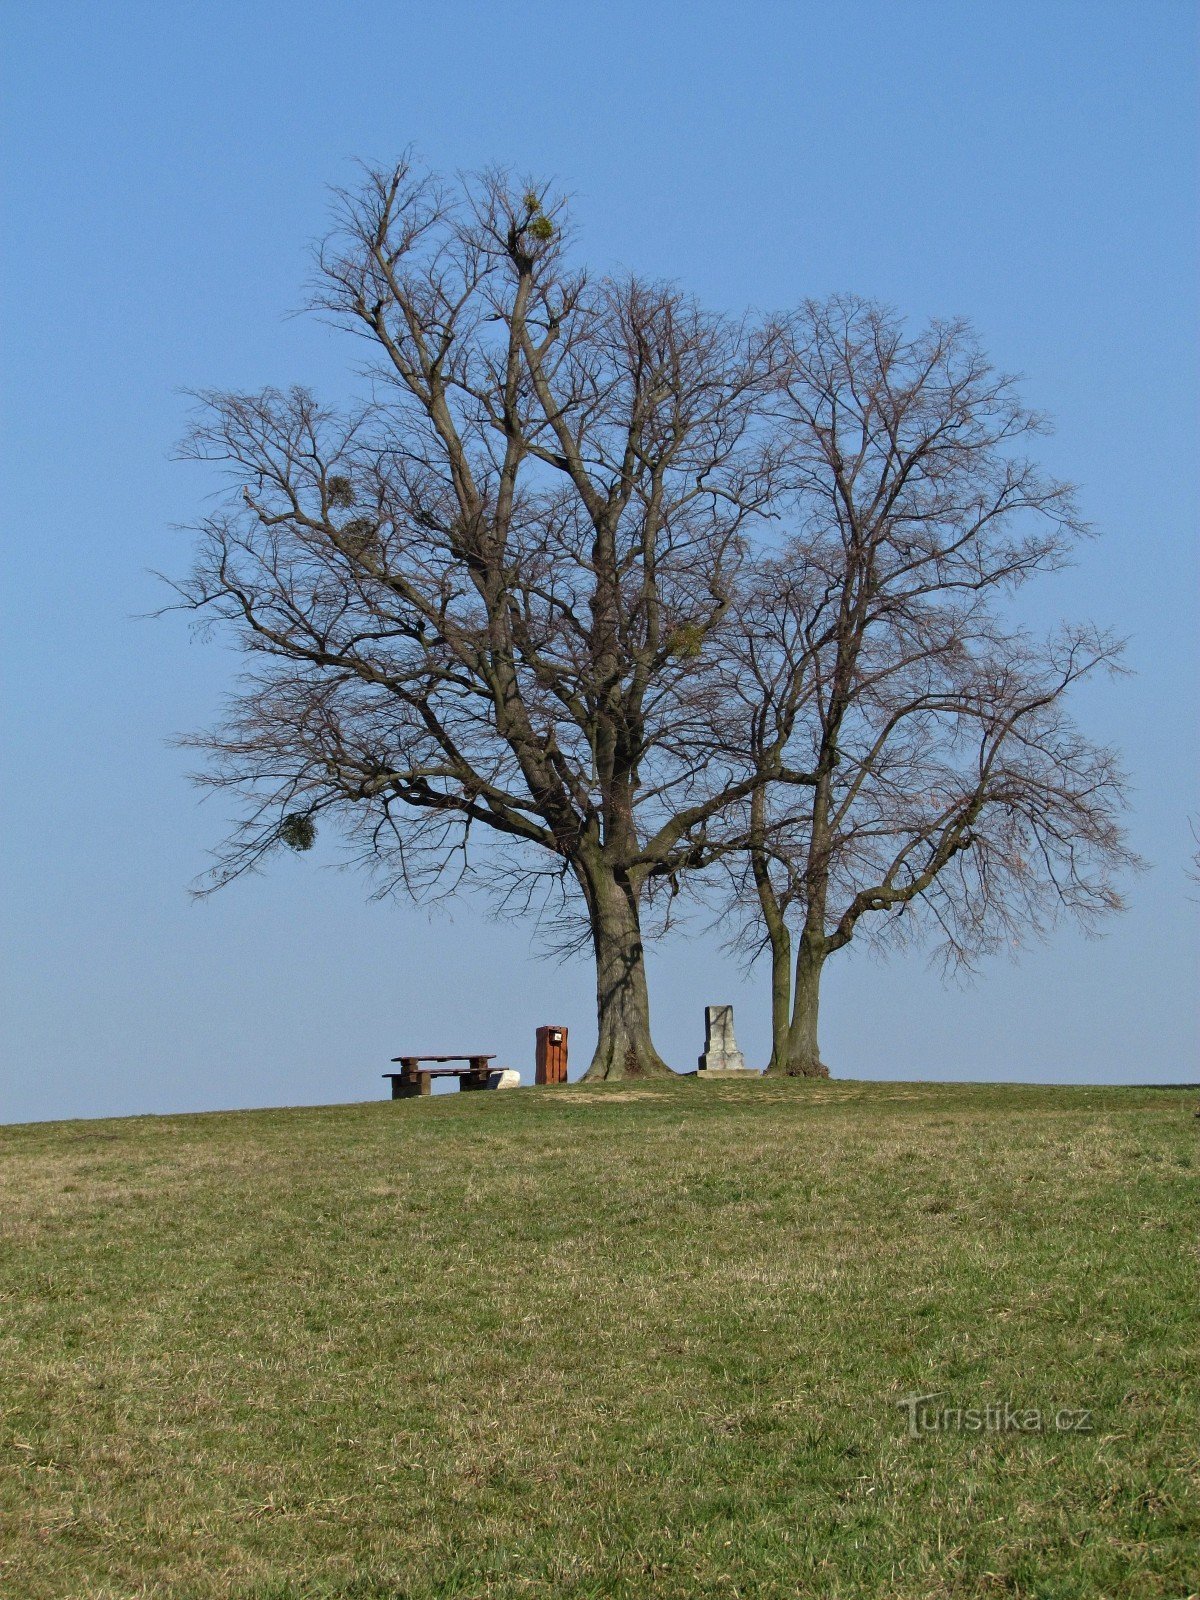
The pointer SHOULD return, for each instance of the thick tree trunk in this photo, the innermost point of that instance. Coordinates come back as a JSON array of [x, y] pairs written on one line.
[[801, 1057], [624, 1048]]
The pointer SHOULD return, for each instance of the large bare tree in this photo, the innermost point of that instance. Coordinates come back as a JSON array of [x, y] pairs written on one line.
[[939, 787], [487, 613]]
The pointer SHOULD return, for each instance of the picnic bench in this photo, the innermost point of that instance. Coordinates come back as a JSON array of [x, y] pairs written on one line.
[[414, 1078]]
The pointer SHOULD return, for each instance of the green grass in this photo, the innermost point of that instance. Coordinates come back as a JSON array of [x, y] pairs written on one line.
[[603, 1342]]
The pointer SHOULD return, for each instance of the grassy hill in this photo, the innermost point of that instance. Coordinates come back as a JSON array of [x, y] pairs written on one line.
[[612, 1341]]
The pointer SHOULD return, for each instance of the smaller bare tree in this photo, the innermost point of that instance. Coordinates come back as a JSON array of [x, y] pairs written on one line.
[[933, 783]]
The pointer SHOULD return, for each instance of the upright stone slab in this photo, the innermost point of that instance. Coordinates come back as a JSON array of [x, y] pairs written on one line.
[[721, 1054]]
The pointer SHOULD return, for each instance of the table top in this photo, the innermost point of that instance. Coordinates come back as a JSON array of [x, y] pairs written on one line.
[[479, 1057]]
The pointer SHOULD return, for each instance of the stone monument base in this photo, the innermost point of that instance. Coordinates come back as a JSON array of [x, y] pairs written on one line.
[[722, 1058]]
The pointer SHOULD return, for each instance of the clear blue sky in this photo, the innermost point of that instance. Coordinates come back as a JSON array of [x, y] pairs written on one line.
[[1031, 166]]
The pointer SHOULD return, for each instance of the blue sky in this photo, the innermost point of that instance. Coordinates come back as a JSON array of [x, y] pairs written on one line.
[[1032, 167]]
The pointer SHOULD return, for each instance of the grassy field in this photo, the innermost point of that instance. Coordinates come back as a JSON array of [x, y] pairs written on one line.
[[605, 1342]]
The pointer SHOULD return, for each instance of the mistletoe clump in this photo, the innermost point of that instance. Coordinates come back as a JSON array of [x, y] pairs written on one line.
[[539, 226], [687, 641], [358, 535], [298, 831]]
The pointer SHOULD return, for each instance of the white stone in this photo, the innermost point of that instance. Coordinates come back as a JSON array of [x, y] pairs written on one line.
[[721, 1053], [504, 1078]]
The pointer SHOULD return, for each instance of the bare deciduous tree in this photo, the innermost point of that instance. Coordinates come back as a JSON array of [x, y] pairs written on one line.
[[602, 590], [940, 785], [495, 601]]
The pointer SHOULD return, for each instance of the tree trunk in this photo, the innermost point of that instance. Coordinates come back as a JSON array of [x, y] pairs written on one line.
[[781, 994], [777, 932], [801, 1057], [624, 1048]]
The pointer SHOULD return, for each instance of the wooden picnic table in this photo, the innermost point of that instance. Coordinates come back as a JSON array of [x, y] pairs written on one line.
[[414, 1079]]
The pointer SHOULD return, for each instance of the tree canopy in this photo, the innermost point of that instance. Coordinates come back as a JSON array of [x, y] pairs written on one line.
[[601, 589]]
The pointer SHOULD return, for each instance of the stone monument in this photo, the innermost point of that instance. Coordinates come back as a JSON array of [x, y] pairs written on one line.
[[721, 1054]]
